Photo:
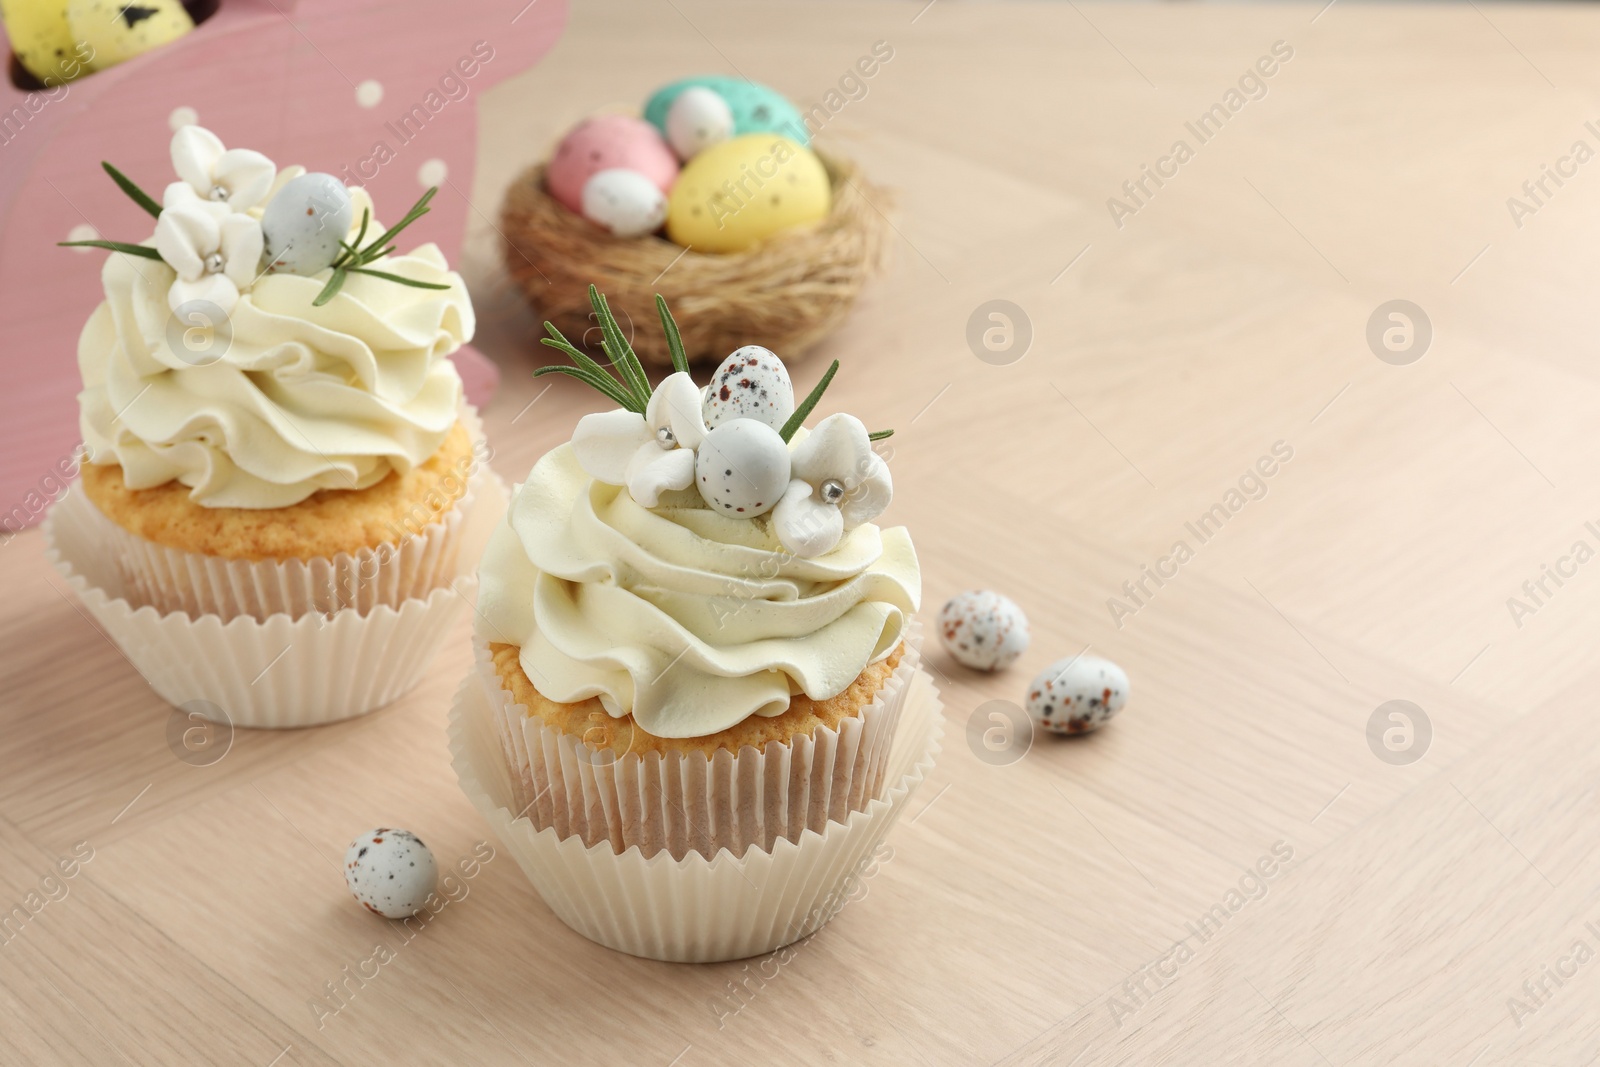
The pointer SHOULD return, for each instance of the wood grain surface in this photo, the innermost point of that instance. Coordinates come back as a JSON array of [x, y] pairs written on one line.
[[1230, 873]]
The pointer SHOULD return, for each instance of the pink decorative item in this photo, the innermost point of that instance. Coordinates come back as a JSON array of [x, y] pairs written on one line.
[[608, 142], [380, 94]]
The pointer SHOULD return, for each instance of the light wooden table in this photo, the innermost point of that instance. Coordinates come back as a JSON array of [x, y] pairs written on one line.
[[1029, 912]]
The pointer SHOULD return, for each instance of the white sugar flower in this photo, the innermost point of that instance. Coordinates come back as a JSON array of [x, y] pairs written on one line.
[[215, 250], [839, 483], [648, 453], [237, 177]]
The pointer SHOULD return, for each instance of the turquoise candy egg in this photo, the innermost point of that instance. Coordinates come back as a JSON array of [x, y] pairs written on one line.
[[756, 108]]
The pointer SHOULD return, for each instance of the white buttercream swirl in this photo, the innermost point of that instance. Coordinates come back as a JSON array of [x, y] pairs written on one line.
[[304, 398], [687, 619]]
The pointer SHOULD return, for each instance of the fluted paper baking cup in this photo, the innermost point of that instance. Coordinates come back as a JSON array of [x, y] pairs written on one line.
[[279, 672], [171, 579], [692, 910], [684, 802]]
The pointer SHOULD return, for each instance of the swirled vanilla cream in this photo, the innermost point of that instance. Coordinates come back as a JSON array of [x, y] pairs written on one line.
[[279, 399], [687, 619]]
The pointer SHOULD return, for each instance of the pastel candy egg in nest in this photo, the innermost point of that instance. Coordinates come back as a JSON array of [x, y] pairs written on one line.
[[742, 468], [303, 224], [391, 872], [983, 630], [752, 383], [624, 202], [697, 119], [1077, 695], [755, 108], [739, 193], [608, 142]]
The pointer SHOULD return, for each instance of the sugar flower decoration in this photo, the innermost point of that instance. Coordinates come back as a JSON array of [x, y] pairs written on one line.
[[835, 481], [215, 250], [648, 453], [839, 483], [237, 177], [208, 225]]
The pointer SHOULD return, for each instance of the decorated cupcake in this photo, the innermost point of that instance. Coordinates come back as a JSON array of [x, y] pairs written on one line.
[[692, 635], [274, 430]]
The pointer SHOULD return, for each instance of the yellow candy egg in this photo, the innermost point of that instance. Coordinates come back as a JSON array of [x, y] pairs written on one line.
[[118, 31], [740, 192], [42, 40]]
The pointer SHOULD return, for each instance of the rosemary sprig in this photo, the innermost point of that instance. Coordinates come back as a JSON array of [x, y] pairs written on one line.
[[804, 410], [626, 382], [138, 195], [356, 258], [618, 349], [669, 325], [116, 246], [589, 372]]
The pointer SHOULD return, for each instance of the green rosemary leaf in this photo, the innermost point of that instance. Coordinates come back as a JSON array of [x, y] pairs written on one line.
[[138, 195], [366, 220], [577, 355], [331, 290], [116, 246], [386, 276], [669, 326], [880, 435], [617, 347], [800, 413], [607, 386], [419, 209]]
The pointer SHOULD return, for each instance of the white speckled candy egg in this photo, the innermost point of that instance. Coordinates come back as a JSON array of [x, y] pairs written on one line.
[[742, 468], [752, 383], [983, 630], [391, 872], [303, 224], [698, 119], [624, 202], [1077, 694]]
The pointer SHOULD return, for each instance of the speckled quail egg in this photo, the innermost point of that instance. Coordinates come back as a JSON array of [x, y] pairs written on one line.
[[303, 224], [742, 468], [390, 872], [752, 383], [1077, 694], [696, 120], [983, 630], [624, 202]]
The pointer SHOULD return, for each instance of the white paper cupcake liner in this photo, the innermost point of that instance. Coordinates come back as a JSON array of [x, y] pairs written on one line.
[[281, 672], [692, 910], [171, 579], [687, 802]]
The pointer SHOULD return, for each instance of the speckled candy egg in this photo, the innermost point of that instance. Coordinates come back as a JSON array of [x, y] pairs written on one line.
[[1077, 695], [755, 108], [697, 119], [303, 224], [624, 202], [391, 872], [738, 193], [983, 630], [752, 383], [742, 468], [608, 142], [116, 30]]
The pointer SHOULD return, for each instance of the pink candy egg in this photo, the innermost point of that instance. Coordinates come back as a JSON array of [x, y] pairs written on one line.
[[608, 142]]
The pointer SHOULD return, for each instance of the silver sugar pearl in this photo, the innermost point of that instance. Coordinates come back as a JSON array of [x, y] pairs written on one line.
[[218, 192], [832, 490], [666, 438], [215, 263]]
